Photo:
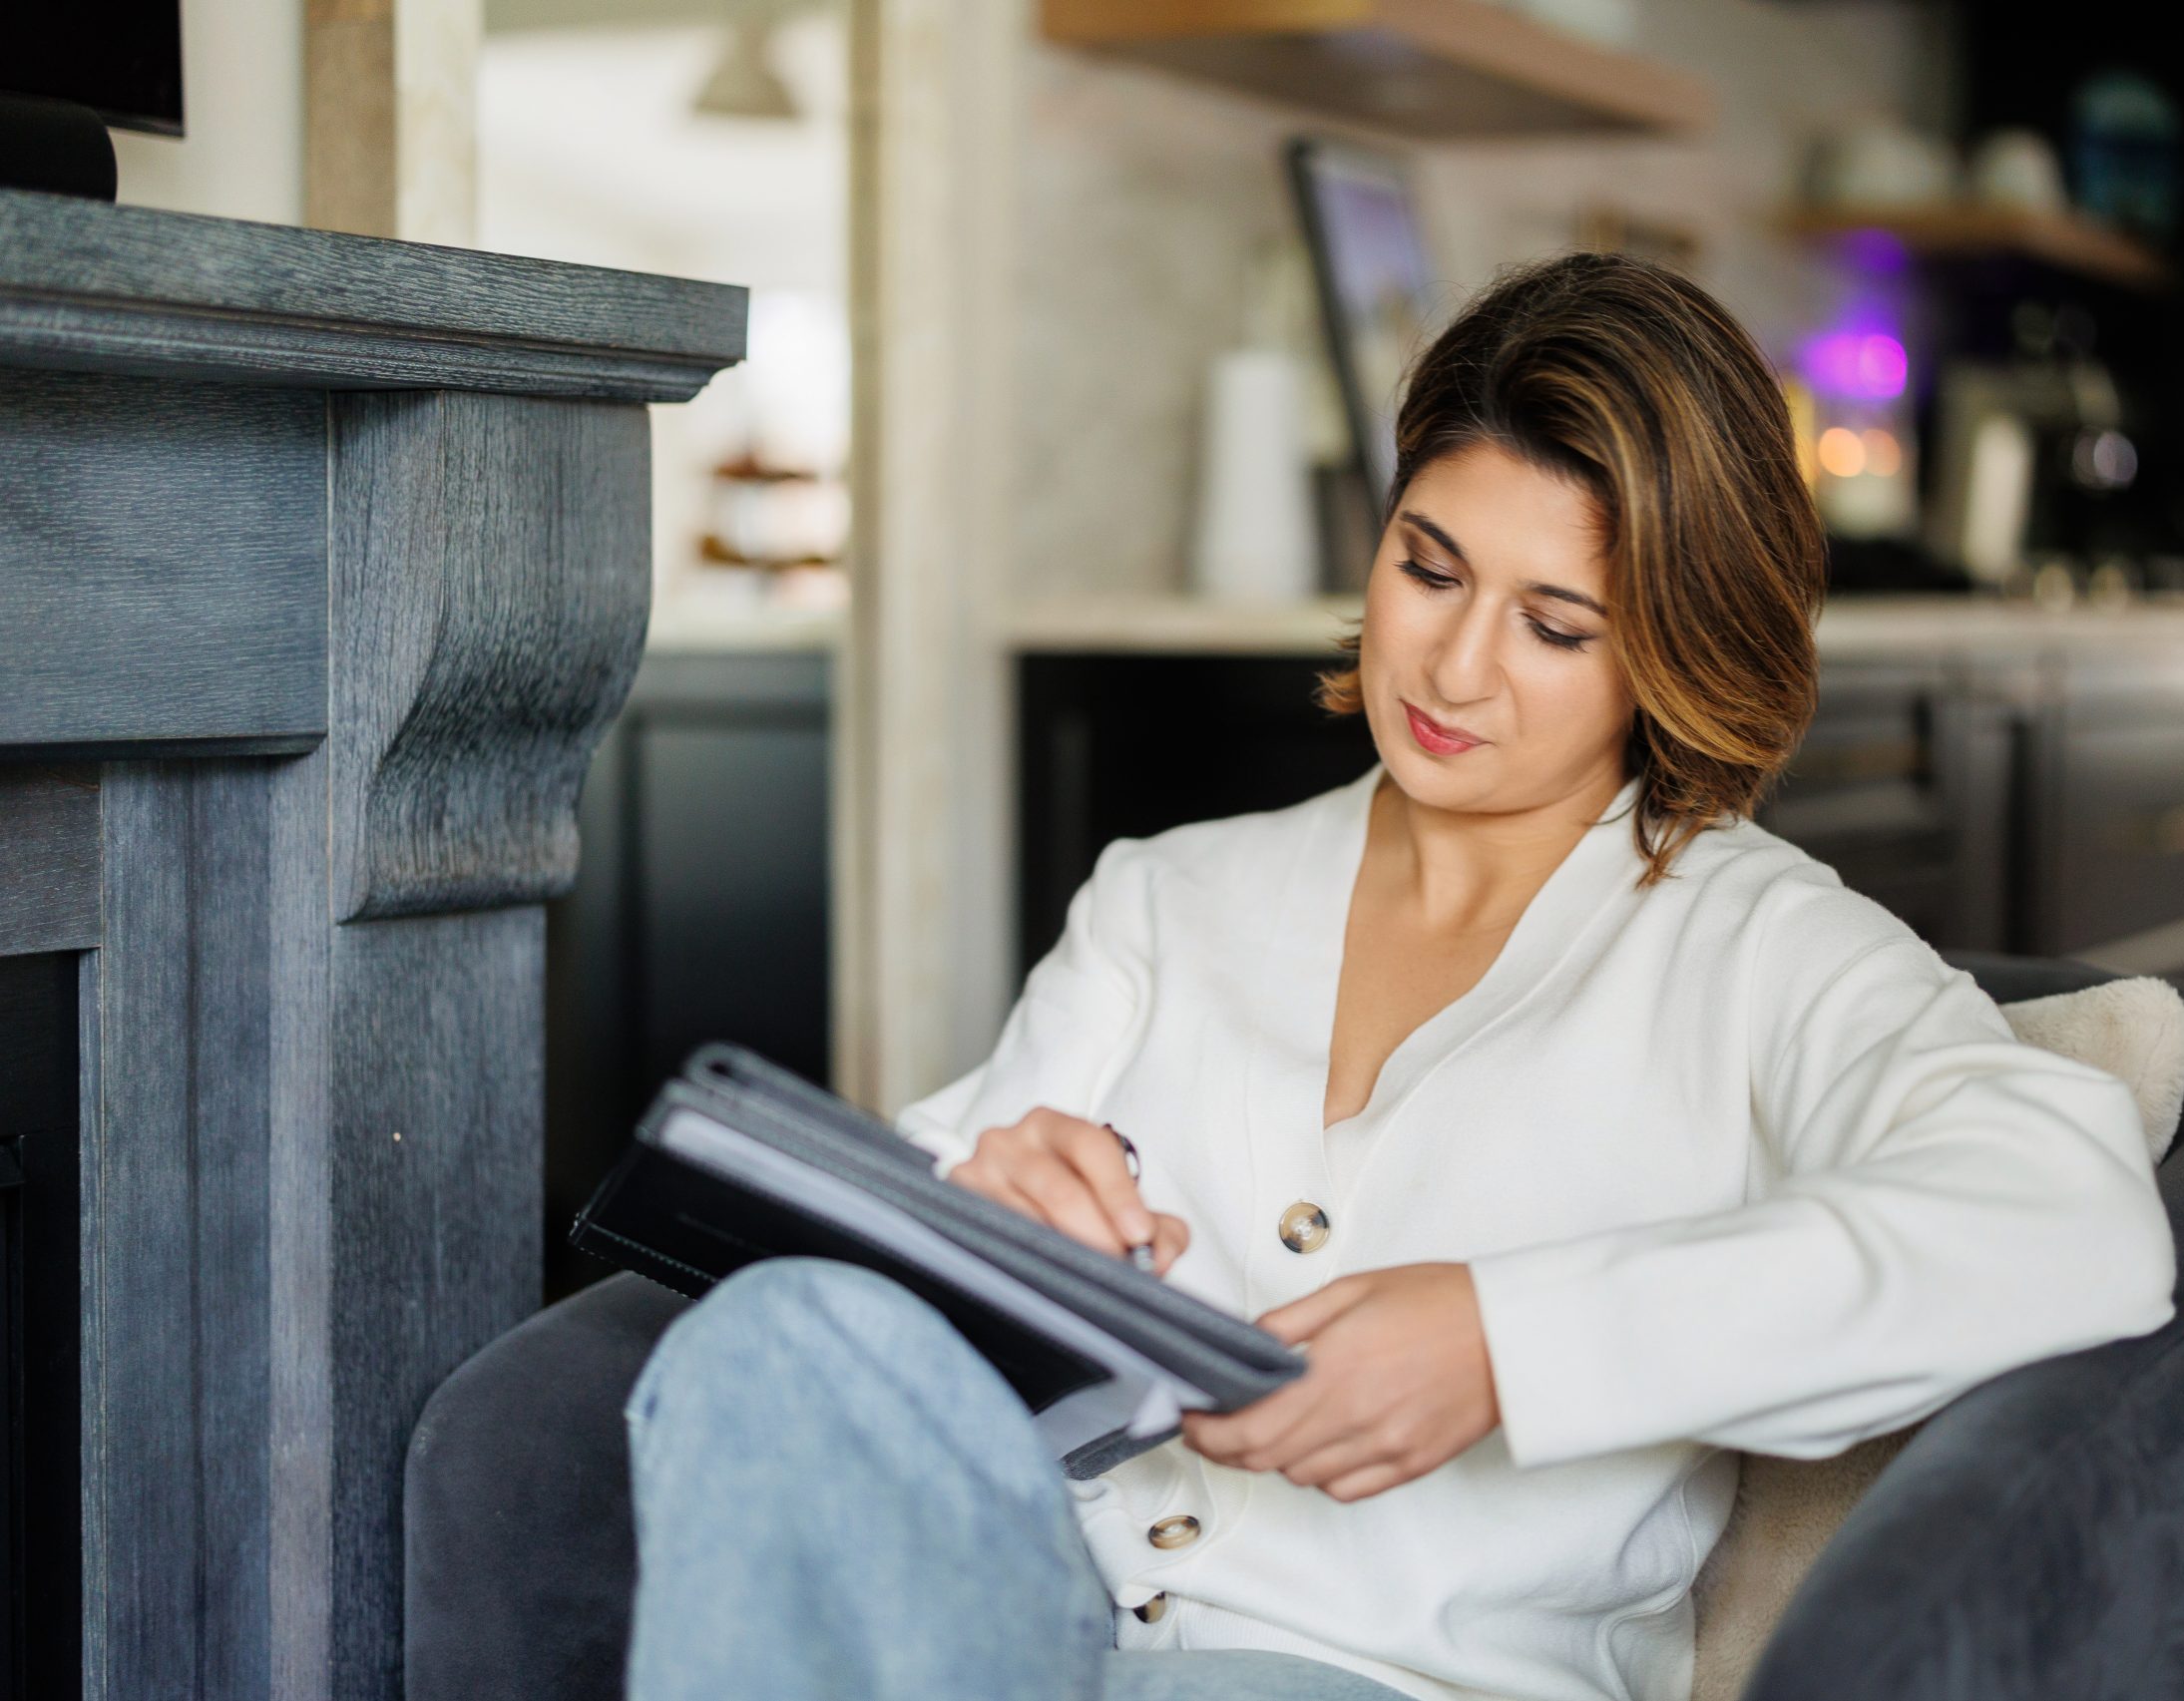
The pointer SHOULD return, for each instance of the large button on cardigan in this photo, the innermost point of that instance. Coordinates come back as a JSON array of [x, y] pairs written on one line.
[[1736, 1161]]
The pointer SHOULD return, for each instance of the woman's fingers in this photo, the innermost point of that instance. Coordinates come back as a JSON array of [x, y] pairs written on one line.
[[997, 1188], [1067, 1201], [1170, 1235], [1039, 1185], [1096, 1155], [1369, 1479], [1319, 1465], [1071, 1175]]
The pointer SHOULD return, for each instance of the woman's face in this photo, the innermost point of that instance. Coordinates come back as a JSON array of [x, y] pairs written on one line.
[[1485, 619]]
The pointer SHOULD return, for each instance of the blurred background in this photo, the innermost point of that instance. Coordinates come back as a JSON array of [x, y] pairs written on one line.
[[1076, 328]]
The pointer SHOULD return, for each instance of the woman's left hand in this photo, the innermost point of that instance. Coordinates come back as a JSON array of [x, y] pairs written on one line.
[[1396, 1383]]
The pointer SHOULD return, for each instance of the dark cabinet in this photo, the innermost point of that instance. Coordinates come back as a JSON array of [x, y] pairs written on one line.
[[1997, 802], [1114, 746], [2110, 794], [701, 908], [1905, 785]]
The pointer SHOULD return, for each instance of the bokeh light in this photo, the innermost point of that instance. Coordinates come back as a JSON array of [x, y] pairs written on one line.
[[1871, 364], [1842, 453]]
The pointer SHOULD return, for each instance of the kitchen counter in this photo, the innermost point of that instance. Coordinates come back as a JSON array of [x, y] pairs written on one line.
[[1852, 625]]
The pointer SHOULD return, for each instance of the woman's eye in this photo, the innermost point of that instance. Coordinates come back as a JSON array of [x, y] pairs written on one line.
[[1432, 581]]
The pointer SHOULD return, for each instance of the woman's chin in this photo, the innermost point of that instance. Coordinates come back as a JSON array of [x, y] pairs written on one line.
[[1444, 781]]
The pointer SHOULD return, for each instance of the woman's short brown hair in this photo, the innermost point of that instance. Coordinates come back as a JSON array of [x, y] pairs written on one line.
[[1635, 382]]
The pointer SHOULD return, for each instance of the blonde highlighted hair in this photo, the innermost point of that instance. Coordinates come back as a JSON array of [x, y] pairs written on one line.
[[1634, 383]]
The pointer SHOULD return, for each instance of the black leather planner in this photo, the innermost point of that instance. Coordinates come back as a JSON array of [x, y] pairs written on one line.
[[740, 1159]]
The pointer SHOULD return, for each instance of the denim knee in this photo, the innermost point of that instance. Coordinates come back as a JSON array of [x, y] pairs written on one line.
[[765, 1303], [857, 1329]]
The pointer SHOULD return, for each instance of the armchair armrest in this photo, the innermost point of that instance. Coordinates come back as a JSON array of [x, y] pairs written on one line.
[[520, 1554], [2023, 1545]]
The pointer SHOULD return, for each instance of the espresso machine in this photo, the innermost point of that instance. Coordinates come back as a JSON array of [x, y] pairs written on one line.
[[2030, 456]]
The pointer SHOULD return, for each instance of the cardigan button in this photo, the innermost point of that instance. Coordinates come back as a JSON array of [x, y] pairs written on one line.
[[1304, 1227], [1153, 1611], [1177, 1532]]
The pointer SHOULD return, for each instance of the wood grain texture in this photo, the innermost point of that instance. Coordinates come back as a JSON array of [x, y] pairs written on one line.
[[437, 1201], [298, 1230], [49, 859], [162, 564], [1418, 67], [178, 1349], [387, 624], [274, 1282], [491, 577], [96, 287]]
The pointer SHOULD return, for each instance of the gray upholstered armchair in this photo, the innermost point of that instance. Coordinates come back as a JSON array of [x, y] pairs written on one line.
[[2021, 1545]]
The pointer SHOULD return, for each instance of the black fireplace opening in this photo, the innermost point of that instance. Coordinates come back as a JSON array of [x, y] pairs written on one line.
[[41, 1504]]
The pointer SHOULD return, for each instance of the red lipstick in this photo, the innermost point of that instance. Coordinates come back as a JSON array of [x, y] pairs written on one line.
[[1440, 741]]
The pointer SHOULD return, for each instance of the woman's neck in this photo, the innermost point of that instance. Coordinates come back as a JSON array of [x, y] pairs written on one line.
[[1474, 871]]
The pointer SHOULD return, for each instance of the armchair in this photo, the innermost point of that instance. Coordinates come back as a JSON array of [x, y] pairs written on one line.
[[2019, 1545]]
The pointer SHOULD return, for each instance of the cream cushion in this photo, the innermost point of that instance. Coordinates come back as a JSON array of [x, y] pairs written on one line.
[[1787, 1508]]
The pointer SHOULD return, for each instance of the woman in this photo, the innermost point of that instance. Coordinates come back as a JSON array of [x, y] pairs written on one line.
[[1580, 1130]]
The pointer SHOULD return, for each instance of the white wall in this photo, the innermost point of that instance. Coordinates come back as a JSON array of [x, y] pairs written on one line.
[[588, 151], [242, 111]]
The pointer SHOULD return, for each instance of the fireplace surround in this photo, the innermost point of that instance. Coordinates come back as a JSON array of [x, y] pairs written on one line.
[[324, 561]]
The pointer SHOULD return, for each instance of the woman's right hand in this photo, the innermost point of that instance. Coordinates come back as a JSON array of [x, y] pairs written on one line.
[[1071, 1175]]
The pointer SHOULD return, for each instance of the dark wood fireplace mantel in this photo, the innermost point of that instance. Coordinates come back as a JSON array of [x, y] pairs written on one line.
[[324, 562]]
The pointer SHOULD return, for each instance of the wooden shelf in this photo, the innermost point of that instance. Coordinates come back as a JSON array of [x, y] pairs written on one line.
[[1428, 68], [2067, 240]]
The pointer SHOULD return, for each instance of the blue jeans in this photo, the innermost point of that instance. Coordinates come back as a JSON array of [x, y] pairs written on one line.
[[839, 1499]]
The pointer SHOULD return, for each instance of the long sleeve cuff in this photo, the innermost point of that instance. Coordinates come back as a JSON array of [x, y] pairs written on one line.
[[1935, 1203], [1847, 1306]]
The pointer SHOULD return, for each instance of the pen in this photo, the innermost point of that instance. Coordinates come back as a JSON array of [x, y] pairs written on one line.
[[1141, 1253]]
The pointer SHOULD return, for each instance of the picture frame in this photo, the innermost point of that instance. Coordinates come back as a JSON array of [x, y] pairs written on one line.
[[1376, 289]]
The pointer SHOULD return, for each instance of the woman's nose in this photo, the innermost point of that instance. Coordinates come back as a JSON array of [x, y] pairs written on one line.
[[1466, 660]]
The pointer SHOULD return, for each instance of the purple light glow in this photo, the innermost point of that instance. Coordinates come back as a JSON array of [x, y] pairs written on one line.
[[1856, 363], [1879, 252]]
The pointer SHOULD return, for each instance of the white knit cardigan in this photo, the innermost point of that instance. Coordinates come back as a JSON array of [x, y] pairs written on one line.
[[1736, 1162]]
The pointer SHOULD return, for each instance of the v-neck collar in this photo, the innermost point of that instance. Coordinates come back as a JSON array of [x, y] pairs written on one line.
[[1604, 860]]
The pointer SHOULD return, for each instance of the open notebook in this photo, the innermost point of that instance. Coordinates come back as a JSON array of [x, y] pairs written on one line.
[[739, 1160]]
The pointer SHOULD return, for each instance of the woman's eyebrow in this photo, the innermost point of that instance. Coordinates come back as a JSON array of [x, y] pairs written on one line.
[[1560, 591]]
